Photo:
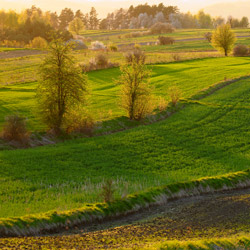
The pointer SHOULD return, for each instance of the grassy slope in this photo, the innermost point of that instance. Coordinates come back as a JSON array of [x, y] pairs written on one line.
[[190, 76], [204, 139]]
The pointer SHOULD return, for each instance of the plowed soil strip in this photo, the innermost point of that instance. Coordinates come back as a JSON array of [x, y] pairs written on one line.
[[219, 215]]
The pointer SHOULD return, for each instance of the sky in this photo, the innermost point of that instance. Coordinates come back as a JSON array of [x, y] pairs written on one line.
[[104, 6]]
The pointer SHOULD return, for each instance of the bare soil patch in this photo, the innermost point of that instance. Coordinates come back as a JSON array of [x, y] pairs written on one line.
[[19, 53], [219, 215]]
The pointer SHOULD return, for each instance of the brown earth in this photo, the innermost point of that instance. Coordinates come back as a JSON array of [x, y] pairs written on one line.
[[19, 53], [218, 215]]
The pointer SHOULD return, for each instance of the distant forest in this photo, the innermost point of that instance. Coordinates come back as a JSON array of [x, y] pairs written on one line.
[[33, 22]]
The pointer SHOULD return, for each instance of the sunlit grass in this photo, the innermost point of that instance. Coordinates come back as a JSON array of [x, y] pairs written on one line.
[[204, 139]]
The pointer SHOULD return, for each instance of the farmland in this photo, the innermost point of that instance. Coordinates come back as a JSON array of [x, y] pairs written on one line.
[[206, 135], [105, 91], [186, 146]]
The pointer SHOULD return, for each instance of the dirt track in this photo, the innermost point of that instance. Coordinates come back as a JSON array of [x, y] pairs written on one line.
[[219, 215], [19, 53]]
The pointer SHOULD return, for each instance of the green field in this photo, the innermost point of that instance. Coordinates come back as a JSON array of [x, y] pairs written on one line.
[[206, 135], [190, 76], [204, 139]]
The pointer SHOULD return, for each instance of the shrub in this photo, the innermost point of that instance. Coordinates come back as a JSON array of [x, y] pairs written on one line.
[[113, 48], [108, 191], [101, 60], [38, 43], [176, 57], [161, 28], [162, 105], [78, 121], [208, 36], [137, 55], [165, 40], [241, 50], [97, 46], [15, 129], [137, 34], [175, 94], [78, 44]]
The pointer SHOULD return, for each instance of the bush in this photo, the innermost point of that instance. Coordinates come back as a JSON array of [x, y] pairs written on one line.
[[162, 104], [208, 36], [108, 191], [175, 94], [113, 48], [241, 50], [12, 43], [165, 40], [97, 46], [161, 28], [79, 122], [15, 129], [78, 44], [101, 60], [137, 34], [176, 57], [137, 55], [38, 43]]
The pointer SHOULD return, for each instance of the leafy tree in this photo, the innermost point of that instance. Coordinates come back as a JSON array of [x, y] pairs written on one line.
[[79, 14], [224, 39], [205, 20], [76, 26], [52, 19], [93, 20], [136, 93], [244, 22], [62, 86], [66, 16], [217, 21], [86, 21]]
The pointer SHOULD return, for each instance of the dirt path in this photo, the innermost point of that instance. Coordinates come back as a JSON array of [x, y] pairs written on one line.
[[19, 53], [219, 215]]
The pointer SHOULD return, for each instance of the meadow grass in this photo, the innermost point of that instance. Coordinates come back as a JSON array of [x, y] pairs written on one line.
[[208, 137], [190, 76], [233, 243], [53, 221]]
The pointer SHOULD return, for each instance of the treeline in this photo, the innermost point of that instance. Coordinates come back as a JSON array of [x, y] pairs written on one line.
[[33, 22], [137, 17], [145, 16], [205, 21]]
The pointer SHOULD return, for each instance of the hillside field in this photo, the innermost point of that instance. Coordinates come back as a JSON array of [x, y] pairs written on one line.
[[205, 138], [206, 135], [190, 76]]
